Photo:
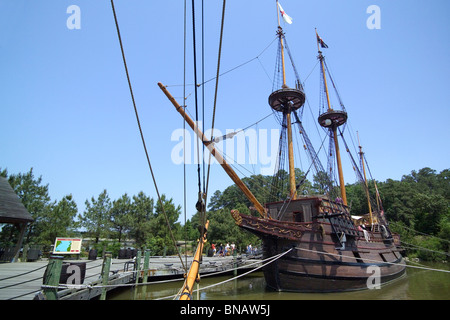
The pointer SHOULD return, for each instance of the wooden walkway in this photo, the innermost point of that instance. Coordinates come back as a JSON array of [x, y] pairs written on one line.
[[23, 280]]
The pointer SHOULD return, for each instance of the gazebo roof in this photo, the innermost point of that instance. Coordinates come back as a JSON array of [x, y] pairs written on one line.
[[11, 208]]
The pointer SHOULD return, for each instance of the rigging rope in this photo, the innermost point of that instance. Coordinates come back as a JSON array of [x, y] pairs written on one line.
[[272, 259], [196, 99], [425, 234], [215, 92], [184, 128], [141, 133], [370, 260], [230, 70]]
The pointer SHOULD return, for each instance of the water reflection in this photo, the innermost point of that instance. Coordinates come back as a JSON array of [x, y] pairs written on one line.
[[417, 284]]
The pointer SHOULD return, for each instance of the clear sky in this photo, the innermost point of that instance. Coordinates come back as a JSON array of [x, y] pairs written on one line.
[[66, 111]]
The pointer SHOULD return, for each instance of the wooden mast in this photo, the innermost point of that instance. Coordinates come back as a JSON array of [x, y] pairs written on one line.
[[361, 154], [287, 111], [215, 153], [334, 128]]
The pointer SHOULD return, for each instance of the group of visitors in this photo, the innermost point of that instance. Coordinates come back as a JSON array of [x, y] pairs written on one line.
[[228, 250], [252, 250], [223, 251]]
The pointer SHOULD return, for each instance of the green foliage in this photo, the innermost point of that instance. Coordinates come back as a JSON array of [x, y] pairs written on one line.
[[120, 215], [34, 197], [51, 219], [141, 215], [417, 208], [96, 217], [107, 246], [58, 220]]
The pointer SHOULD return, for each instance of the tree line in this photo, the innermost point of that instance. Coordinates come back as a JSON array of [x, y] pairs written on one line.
[[416, 206], [108, 223]]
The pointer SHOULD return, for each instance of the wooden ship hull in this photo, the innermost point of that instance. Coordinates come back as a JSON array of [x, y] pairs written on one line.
[[320, 261]]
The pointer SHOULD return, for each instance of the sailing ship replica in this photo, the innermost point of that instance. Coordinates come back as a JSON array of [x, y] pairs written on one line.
[[322, 246]]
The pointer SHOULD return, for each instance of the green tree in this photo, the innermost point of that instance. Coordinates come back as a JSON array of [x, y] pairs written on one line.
[[160, 227], [121, 216], [141, 216], [429, 209], [58, 220], [397, 198], [444, 232], [96, 217], [34, 196]]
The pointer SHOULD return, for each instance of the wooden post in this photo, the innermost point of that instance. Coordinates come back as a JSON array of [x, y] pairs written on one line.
[[235, 263], [137, 271], [51, 277], [25, 253], [105, 273], [146, 267], [23, 227]]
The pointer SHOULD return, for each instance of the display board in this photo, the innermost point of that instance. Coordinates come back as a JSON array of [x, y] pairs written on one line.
[[67, 246]]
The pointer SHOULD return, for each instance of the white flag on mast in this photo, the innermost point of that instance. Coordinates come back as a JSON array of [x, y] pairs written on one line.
[[286, 18]]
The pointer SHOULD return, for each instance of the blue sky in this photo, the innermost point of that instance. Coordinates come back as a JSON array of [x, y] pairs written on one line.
[[66, 109]]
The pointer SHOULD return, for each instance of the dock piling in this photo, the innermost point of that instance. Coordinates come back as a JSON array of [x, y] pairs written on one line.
[[105, 273], [137, 271], [145, 275]]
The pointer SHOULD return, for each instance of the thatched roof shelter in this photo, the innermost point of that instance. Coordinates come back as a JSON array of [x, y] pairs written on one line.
[[13, 211]]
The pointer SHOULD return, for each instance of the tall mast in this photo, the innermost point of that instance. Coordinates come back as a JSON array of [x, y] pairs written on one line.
[[332, 119], [287, 100], [361, 154], [280, 36]]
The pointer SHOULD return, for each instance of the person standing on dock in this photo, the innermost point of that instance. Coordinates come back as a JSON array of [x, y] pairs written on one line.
[[227, 249]]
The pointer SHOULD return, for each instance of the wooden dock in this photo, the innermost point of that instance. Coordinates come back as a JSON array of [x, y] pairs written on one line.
[[24, 280]]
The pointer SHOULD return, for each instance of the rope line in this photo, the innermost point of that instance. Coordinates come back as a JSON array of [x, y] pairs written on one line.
[[425, 234], [90, 286], [371, 260], [219, 55], [228, 71], [22, 274], [273, 258], [414, 247], [264, 263], [141, 133]]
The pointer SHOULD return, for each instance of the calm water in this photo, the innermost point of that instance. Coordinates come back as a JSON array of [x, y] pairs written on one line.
[[417, 284]]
